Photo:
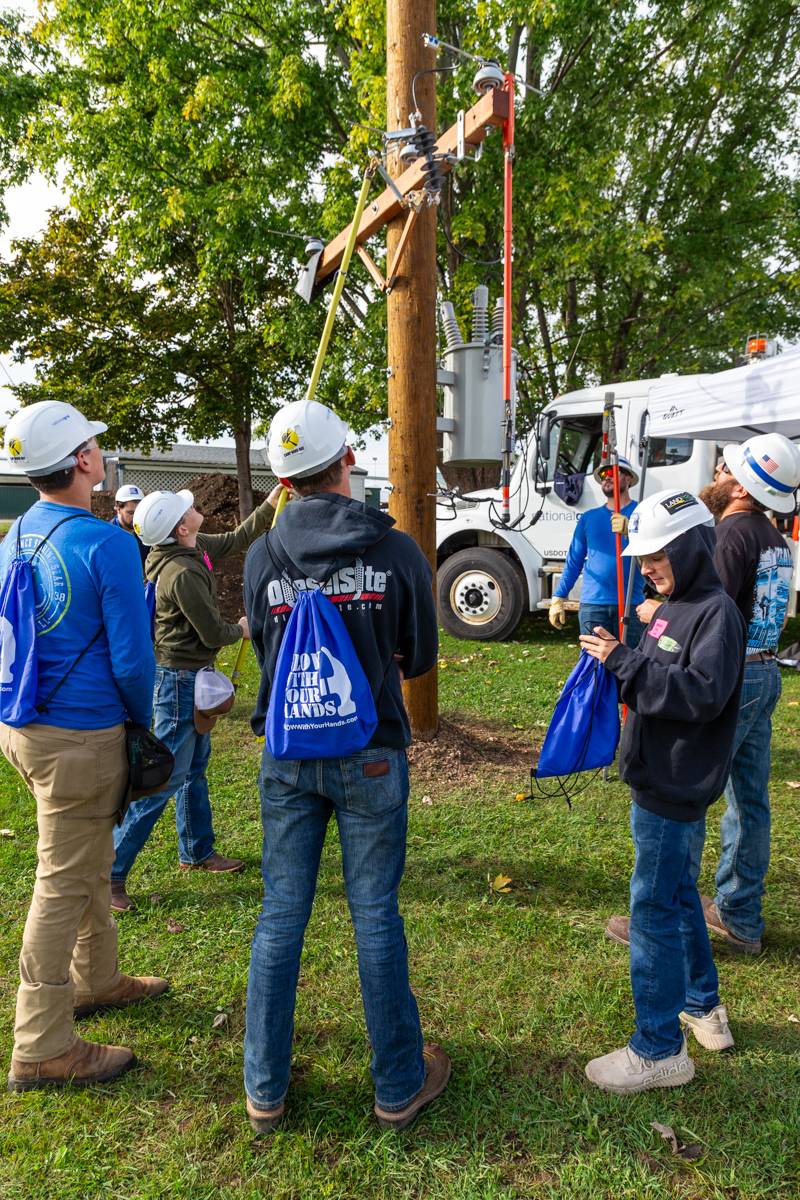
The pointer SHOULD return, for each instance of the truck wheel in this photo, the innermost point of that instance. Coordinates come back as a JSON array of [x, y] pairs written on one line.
[[481, 594]]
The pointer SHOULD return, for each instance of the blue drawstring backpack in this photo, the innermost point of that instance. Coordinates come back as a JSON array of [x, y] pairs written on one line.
[[321, 704], [584, 730], [19, 660]]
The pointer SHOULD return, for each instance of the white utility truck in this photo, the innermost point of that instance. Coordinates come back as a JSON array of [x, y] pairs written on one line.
[[490, 574]]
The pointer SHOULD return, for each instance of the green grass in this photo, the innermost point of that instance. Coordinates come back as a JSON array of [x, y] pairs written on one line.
[[521, 989]]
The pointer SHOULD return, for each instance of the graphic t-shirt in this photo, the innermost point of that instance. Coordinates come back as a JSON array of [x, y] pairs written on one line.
[[87, 577], [755, 566]]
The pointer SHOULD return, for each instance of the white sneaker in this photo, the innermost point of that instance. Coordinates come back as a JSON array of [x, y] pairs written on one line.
[[711, 1030], [624, 1072]]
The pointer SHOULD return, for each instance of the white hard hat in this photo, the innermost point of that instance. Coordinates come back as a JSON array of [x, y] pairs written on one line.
[[659, 519], [768, 467], [624, 465], [128, 491], [305, 437], [158, 514], [42, 438]]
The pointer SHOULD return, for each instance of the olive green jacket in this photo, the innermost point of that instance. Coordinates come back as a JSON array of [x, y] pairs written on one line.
[[189, 628]]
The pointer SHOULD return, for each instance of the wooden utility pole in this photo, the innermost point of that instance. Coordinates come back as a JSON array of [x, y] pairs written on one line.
[[411, 320]]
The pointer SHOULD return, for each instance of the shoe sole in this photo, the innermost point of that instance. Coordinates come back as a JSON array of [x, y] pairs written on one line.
[[613, 937], [407, 1121], [88, 1010], [128, 908], [730, 939], [713, 1041], [211, 870], [668, 1081], [263, 1126], [31, 1085]]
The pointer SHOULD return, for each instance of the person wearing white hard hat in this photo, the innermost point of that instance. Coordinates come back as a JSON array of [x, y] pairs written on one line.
[[95, 671], [682, 688], [381, 585], [189, 630], [126, 501], [593, 553]]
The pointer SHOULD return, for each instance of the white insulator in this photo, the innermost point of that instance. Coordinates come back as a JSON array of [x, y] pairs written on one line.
[[480, 313], [451, 330], [497, 320]]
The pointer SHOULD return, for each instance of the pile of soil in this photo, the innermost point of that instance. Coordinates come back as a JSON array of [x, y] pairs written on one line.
[[465, 744], [217, 498]]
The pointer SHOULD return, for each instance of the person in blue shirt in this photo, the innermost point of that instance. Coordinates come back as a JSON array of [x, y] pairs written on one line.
[[126, 501], [95, 671], [593, 552]]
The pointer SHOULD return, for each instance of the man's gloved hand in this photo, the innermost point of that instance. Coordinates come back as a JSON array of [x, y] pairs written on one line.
[[619, 524], [557, 613]]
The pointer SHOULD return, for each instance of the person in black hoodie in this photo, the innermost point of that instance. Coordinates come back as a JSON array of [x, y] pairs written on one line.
[[682, 688], [380, 583]]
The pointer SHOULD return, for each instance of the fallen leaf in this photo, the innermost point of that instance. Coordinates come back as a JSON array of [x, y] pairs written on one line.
[[9, 833], [194, 1039], [520, 796], [156, 897], [685, 1150], [794, 1019], [174, 926], [501, 884], [219, 1020], [793, 783], [426, 800], [794, 703]]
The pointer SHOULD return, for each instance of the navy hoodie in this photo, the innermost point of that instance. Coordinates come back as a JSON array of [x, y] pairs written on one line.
[[682, 688], [377, 577]]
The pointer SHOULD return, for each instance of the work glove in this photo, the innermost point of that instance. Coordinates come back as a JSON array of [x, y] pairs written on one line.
[[557, 613], [619, 524]]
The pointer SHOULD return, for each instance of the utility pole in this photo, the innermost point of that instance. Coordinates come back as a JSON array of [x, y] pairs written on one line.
[[411, 321]]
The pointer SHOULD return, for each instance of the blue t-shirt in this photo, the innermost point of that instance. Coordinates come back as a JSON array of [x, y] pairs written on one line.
[[593, 550], [87, 576]]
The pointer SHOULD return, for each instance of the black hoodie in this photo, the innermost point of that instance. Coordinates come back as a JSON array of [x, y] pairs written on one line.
[[377, 577], [682, 688]]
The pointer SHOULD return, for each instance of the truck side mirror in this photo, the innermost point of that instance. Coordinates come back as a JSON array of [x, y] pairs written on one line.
[[545, 429]]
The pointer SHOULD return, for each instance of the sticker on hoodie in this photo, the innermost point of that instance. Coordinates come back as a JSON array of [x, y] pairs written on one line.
[[669, 644]]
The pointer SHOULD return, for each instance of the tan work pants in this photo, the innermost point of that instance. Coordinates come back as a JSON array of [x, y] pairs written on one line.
[[69, 946]]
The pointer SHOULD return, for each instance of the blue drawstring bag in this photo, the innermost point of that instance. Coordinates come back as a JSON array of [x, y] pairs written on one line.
[[584, 730], [19, 665], [321, 704], [150, 601]]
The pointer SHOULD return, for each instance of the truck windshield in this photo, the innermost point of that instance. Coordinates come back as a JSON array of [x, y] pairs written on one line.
[[575, 445]]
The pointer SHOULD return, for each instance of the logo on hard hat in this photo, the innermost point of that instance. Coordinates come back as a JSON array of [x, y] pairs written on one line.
[[14, 446], [678, 502], [290, 440]]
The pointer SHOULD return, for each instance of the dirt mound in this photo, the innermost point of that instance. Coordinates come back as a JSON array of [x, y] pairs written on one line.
[[103, 505], [217, 498], [466, 743]]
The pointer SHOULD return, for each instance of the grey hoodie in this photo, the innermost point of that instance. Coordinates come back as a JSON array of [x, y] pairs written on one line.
[[377, 577], [682, 687]]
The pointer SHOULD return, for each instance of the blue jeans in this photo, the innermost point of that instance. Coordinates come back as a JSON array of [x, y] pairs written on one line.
[[173, 704], [606, 615], [745, 826], [297, 801], [672, 969]]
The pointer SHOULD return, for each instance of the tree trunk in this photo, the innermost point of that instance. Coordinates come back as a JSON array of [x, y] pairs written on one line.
[[242, 435]]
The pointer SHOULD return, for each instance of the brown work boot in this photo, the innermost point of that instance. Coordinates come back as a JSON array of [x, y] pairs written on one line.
[[120, 900], [264, 1120], [83, 1063], [619, 930], [217, 862], [130, 990], [437, 1076], [717, 925]]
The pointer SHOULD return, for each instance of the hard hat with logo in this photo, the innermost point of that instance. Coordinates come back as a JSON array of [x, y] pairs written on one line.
[[662, 517], [305, 437], [128, 491], [42, 438], [624, 465], [768, 467], [158, 514]]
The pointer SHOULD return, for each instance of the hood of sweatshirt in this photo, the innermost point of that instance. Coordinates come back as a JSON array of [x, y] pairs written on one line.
[[324, 531], [691, 557]]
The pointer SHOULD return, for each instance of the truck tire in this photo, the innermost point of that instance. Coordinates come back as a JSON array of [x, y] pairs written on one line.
[[481, 594]]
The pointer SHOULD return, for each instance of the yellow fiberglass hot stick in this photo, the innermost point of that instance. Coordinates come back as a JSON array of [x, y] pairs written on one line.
[[338, 287]]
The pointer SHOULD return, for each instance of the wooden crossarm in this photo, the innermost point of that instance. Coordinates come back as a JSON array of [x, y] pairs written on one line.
[[490, 111]]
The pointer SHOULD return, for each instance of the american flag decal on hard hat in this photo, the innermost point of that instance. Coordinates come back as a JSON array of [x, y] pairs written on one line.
[[769, 463]]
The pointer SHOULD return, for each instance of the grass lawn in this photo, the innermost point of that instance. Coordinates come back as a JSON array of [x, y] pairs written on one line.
[[521, 988]]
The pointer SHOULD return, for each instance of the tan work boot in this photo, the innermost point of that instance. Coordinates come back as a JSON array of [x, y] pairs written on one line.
[[217, 862], [437, 1076], [618, 929], [130, 990], [716, 924], [83, 1063], [264, 1120], [120, 900]]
